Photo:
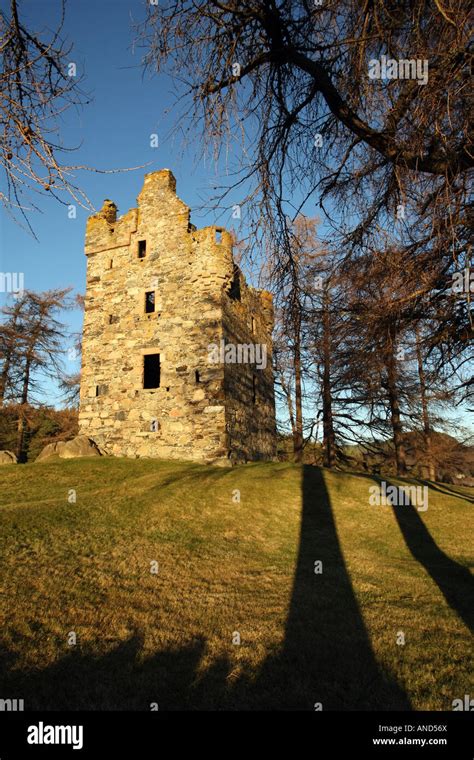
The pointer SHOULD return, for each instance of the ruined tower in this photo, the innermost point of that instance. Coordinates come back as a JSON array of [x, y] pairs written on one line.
[[177, 349]]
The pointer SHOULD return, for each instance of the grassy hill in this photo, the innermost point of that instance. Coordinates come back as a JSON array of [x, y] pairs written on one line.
[[228, 569]]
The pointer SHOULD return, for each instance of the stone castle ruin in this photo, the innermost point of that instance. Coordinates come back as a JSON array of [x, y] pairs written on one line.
[[177, 349]]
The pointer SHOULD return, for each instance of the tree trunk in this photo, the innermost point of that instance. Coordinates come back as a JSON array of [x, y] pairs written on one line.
[[289, 402], [394, 404], [425, 412], [20, 430], [9, 350], [298, 432], [329, 440], [4, 377]]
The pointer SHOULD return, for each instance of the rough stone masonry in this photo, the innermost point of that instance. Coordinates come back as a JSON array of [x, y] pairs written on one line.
[[159, 294]]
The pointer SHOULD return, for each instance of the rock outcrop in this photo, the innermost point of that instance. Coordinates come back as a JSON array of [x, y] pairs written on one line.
[[80, 446], [7, 457]]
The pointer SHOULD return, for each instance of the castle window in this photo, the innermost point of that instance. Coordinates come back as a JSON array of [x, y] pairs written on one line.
[[111, 263], [218, 236], [141, 249], [254, 389], [253, 324], [150, 302], [234, 290], [101, 390], [197, 376], [151, 371]]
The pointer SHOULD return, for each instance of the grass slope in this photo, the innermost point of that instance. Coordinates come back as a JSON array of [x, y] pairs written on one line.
[[228, 568]]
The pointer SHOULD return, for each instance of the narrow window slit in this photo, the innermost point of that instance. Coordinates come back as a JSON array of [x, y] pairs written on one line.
[[151, 371], [150, 302]]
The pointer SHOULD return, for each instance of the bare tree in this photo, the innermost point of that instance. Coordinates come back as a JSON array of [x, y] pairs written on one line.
[[10, 340], [425, 415], [293, 289], [39, 345], [298, 77], [385, 301], [327, 328], [39, 81], [70, 383]]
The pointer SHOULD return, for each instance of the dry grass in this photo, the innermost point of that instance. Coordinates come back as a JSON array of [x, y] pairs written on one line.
[[227, 567]]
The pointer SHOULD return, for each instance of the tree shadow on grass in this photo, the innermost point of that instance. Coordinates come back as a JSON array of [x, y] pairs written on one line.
[[326, 656], [445, 489], [453, 580], [118, 680]]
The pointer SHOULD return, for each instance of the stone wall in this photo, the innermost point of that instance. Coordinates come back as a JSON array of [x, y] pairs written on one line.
[[248, 387], [203, 410]]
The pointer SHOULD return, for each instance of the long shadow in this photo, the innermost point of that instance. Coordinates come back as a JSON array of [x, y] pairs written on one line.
[[453, 580], [326, 657], [117, 680], [445, 490]]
